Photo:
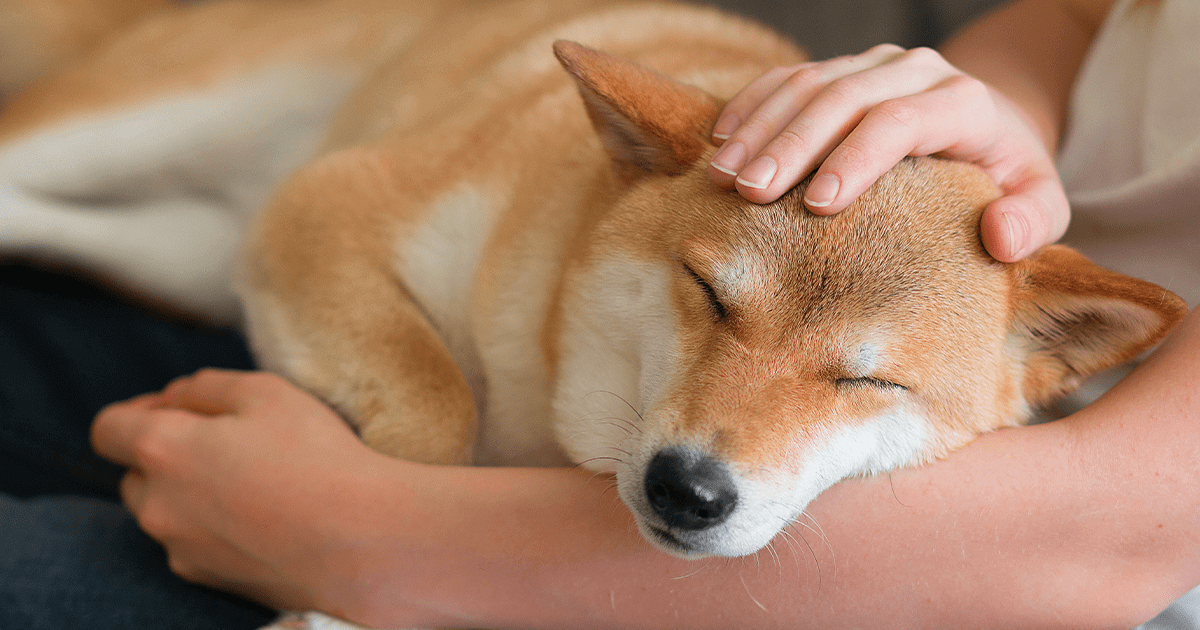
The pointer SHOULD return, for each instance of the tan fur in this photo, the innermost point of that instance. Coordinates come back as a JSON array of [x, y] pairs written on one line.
[[483, 234], [37, 36], [178, 50]]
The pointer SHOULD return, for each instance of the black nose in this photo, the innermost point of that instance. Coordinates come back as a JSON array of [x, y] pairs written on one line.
[[688, 489]]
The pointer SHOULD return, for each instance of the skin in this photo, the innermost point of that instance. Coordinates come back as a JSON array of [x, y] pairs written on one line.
[[255, 487], [1089, 522], [995, 96]]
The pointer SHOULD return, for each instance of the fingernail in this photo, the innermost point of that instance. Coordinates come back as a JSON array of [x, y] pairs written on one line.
[[730, 158], [1017, 230], [759, 173], [725, 126], [822, 190]]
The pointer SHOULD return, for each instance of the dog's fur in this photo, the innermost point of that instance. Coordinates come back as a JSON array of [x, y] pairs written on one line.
[[452, 228]]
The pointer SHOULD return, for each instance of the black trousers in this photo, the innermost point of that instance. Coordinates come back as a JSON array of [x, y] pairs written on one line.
[[71, 557]]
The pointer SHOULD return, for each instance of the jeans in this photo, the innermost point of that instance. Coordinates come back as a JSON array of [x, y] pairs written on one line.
[[71, 556]]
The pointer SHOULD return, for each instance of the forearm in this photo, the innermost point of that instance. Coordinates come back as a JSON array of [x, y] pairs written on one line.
[[1049, 525], [1087, 522], [1031, 51]]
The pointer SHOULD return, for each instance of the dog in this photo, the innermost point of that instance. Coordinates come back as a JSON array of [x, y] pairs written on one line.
[[483, 242]]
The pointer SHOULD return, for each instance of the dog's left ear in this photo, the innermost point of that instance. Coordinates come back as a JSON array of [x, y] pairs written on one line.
[[650, 124], [1075, 318]]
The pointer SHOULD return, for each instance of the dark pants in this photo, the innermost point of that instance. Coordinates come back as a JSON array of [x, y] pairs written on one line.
[[70, 555]]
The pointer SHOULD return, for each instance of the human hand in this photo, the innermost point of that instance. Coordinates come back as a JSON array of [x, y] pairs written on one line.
[[855, 117], [238, 475]]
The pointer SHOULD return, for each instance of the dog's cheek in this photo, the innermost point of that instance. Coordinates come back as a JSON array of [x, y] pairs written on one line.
[[618, 352]]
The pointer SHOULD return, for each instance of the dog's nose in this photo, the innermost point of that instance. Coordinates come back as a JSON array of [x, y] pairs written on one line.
[[688, 489]]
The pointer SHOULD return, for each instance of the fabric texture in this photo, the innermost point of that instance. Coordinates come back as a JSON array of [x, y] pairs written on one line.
[[71, 557], [1130, 160]]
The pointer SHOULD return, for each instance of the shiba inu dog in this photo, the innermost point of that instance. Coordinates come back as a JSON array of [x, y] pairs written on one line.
[[485, 243]]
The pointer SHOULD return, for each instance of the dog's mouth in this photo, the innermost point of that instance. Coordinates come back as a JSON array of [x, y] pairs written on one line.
[[667, 540]]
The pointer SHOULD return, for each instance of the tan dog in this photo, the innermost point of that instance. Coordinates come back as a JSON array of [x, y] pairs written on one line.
[[449, 232]]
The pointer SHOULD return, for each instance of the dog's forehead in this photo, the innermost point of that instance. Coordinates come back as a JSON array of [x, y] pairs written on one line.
[[911, 228]]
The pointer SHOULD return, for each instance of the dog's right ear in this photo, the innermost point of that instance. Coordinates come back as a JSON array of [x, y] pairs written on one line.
[[1074, 318], [649, 123]]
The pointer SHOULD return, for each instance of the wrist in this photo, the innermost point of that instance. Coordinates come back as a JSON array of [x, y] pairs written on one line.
[[1030, 51], [365, 525]]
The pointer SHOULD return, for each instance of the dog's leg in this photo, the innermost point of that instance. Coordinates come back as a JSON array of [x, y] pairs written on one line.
[[350, 334]]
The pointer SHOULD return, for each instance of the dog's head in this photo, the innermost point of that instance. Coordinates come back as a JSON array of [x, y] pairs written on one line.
[[729, 361]]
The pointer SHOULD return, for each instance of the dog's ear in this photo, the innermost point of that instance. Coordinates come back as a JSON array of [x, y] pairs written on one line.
[[1075, 318], [648, 123]]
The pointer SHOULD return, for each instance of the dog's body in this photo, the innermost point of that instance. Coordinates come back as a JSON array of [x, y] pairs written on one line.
[[447, 232]]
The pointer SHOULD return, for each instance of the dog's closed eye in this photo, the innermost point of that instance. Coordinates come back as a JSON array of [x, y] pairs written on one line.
[[868, 381], [719, 309]]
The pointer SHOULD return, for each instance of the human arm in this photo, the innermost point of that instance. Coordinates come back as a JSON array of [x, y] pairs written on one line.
[[1092, 521], [996, 96]]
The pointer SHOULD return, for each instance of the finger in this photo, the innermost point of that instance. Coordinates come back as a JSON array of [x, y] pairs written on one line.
[[210, 392], [749, 98], [1036, 213], [117, 428], [834, 113], [132, 489], [138, 435], [957, 117], [777, 110]]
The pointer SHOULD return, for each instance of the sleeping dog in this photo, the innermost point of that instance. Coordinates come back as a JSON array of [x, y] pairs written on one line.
[[485, 243]]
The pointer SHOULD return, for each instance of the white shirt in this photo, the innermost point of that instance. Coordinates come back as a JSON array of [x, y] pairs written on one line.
[[1130, 159]]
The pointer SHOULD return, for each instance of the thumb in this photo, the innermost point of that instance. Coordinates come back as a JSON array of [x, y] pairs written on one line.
[[211, 392], [1033, 213]]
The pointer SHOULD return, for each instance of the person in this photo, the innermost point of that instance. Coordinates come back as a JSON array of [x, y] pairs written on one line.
[[1092, 521]]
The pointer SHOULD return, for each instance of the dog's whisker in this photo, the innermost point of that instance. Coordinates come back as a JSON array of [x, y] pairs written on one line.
[[600, 458], [617, 421], [775, 558], [619, 450], [892, 485], [819, 531], [702, 566], [610, 423], [751, 595], [787, 534], [620, 398]]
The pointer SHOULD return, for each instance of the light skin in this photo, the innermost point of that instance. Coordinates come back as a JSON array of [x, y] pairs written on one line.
[[1092, 522], [1089, 522], [996, 96]]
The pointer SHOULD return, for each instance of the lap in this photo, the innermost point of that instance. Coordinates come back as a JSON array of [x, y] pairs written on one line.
[[70, 555], [66, 350], [81, 562]]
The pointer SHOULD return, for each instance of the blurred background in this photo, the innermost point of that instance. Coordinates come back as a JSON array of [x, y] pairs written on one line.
[[827, 28]]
